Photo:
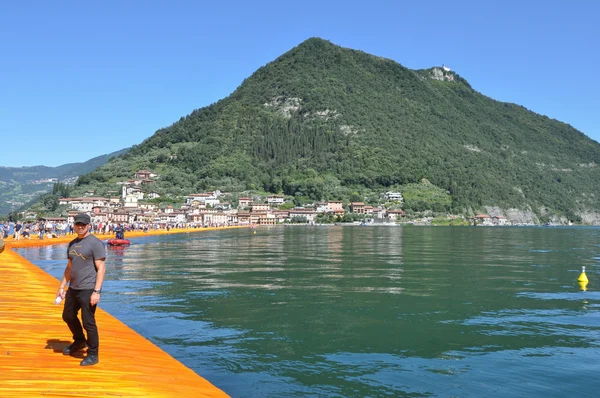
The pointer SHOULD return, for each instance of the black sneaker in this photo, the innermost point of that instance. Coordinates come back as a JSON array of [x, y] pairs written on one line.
[[74, 347], [89, 360]]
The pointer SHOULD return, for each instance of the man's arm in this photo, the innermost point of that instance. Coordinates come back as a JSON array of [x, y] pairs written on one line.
[[101, 270], [66, 278]]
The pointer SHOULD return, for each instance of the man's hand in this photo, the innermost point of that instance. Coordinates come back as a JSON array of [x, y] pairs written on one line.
[[95, 298]]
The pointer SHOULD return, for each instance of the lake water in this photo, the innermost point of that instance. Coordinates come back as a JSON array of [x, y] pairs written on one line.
[[366, 311]]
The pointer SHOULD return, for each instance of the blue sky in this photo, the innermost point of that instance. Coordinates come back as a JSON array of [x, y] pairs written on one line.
[[80, 79]]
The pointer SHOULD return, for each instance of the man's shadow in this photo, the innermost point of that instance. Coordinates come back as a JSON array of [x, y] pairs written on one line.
[[58, 346]]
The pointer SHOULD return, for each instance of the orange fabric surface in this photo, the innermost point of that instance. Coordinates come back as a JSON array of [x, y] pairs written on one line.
[[33, 335]]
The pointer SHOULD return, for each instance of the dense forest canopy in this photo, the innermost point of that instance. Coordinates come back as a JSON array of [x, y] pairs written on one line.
[[323, 122]]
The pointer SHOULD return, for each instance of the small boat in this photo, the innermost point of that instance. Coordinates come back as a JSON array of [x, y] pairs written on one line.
[[118, 242]]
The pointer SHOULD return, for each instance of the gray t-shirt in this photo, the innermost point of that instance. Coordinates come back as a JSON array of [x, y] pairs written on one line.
[[83, 253]]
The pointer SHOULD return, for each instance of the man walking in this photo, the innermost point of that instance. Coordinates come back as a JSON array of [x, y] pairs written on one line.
[[85, 274]]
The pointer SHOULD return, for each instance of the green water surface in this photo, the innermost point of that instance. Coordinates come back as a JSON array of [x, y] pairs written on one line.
[[367, 311]]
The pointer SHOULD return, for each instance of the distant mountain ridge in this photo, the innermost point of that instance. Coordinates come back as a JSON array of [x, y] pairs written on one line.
[[19, 185], [323, 122]]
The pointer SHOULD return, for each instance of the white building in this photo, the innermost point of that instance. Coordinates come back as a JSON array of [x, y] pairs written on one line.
[[309, 215], [131, 202], [391, 195], [132, 191], [215, 219], [322, 208], [176, 217], [82, 205], [210, 198], [275, 199]]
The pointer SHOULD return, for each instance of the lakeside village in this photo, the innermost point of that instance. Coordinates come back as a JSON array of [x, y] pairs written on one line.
[[133, 210]]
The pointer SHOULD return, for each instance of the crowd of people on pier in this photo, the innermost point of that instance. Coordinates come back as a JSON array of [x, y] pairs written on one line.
[[40, 228], [54, 229]]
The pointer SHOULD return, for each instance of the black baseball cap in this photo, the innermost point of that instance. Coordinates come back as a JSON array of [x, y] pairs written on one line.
[[82, 218]]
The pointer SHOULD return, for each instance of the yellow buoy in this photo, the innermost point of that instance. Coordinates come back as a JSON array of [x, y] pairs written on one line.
[[583, 276], [583, 285]]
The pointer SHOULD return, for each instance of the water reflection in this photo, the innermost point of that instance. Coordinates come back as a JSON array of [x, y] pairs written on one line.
[[117, 256]]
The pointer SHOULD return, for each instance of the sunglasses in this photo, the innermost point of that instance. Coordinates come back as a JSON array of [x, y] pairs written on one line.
[[80, 224]]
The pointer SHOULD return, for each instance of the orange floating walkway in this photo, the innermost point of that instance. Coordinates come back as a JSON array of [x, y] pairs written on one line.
[[35, 241], [33, 335]]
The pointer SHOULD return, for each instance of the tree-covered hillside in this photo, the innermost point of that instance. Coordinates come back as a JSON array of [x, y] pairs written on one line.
[[21, 185], [324, 122]]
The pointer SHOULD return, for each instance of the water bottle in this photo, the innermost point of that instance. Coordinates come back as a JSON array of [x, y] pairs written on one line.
[[57, 300]]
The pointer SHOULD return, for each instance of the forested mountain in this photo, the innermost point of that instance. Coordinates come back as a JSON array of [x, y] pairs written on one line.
[[324, 122], [19, 185]]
